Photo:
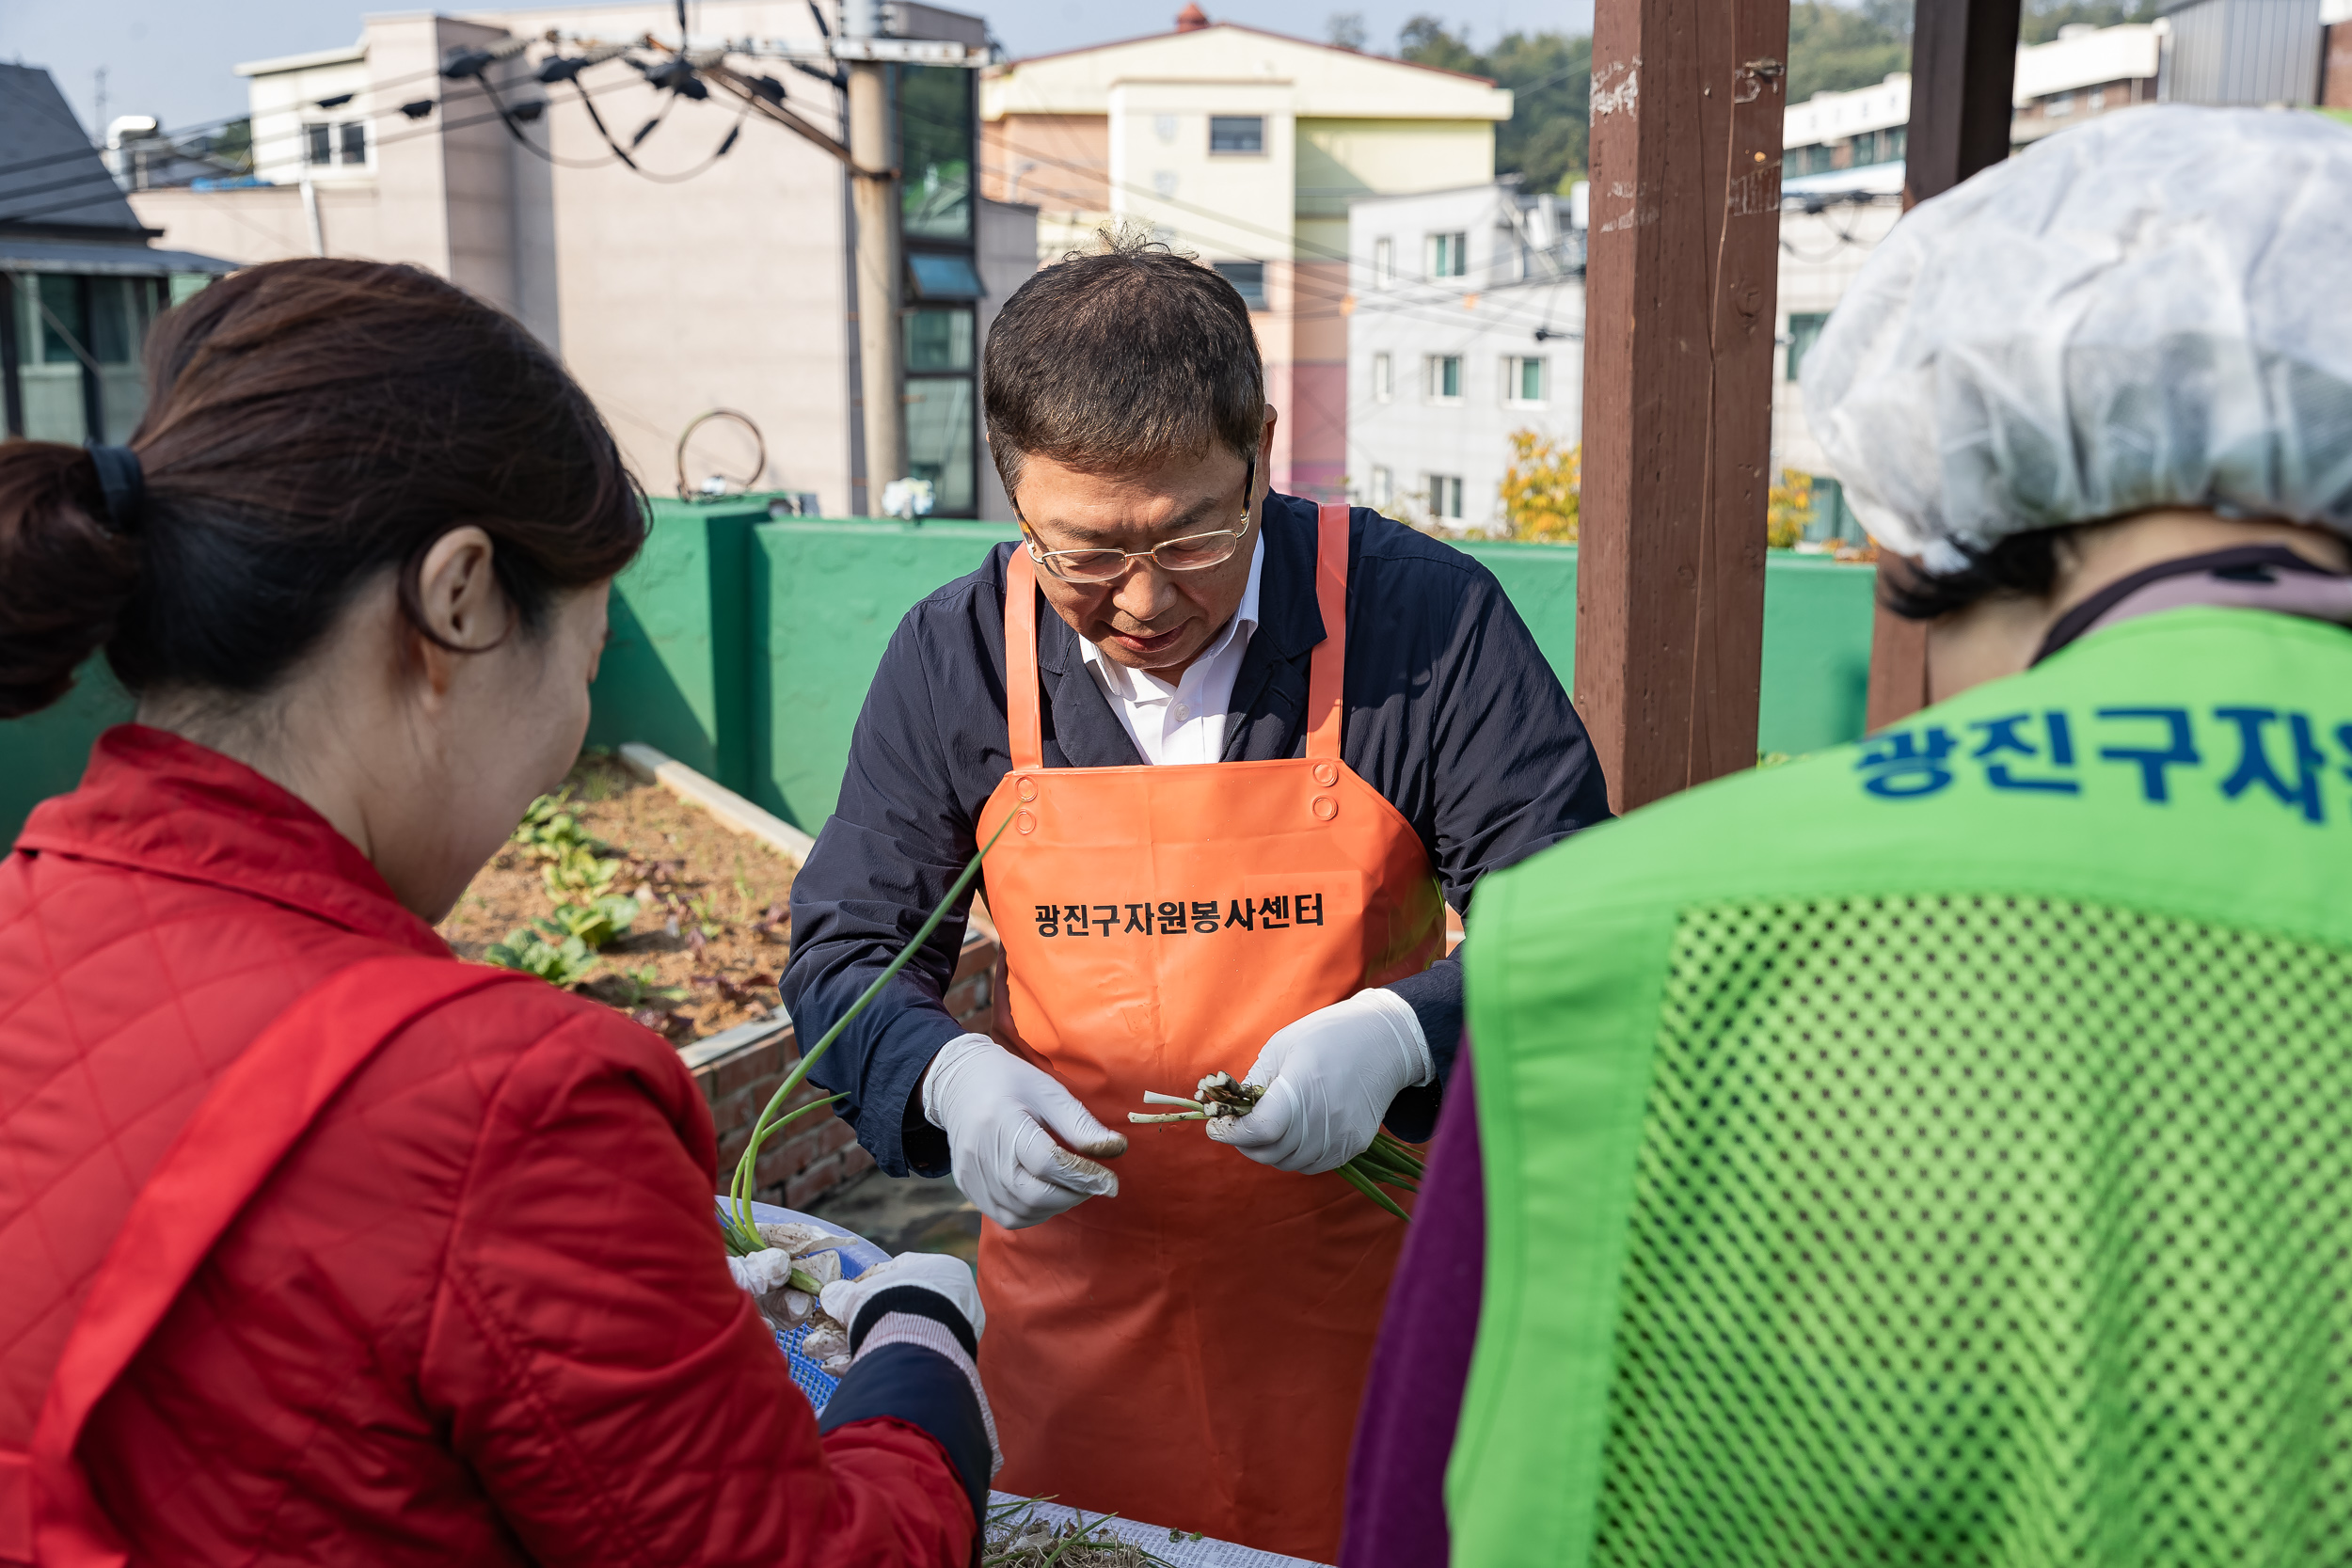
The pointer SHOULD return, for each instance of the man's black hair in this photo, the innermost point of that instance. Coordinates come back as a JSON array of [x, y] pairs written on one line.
[[1116, 359]]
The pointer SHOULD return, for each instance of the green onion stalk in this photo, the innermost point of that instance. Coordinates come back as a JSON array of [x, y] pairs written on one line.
[[743, 1237], [1388, 1163]]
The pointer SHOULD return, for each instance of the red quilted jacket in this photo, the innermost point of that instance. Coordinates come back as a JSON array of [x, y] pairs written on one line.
[[479, 1313]]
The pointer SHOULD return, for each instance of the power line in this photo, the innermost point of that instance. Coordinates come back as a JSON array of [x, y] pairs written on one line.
[[446, 126], [1292, 239], [1419, 307], [201, 127]]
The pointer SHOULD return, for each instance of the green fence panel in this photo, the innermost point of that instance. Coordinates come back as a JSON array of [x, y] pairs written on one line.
[[45, 754], [677, 670], [1816, 653], [1817, 636], [828, 596], [1540, 580], [743, 647]]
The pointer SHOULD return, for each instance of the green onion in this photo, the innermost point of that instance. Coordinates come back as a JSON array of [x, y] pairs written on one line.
[[743, 1237], [1387, 1162]]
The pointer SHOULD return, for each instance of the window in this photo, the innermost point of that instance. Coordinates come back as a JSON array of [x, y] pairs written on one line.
[[1445, 378], [1803, 330], [943, 275], [939, 441], [71, 362], [1445, 496], [2098, 100], [939, 339], [1383, 488], [935, 122], [1892, 144], [1383, 263], [1801, 161], [1449, 255], [2059, 104], [1383, 378], [318, 144], [1248, 278], [1522, 380], [353, 137], [1235, 132], [940, 343], [1866, 148]]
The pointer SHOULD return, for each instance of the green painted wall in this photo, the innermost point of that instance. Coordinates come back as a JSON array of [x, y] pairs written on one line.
[[743, 647], [1817, 636], [1541, 581], [1816, 653], [45, 754], [829, 595], [675, 672]]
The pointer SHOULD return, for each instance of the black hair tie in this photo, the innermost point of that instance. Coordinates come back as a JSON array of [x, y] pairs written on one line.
[[123, 482]]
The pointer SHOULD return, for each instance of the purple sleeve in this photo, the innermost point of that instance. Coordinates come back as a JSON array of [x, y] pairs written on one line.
[[1396, 1477]]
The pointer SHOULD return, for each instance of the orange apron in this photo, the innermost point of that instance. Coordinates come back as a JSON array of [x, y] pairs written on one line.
[[1191, 1352]]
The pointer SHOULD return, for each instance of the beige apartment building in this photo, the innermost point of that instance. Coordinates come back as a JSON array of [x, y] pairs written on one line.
[[714, 275], [1245, 148]]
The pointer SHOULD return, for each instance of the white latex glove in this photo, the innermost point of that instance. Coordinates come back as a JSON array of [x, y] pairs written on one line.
[[942, 1276], [1328, 1080], [1001, 1117]]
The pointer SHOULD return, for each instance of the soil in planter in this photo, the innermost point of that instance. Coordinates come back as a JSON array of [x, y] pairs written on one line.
[[712, 924]]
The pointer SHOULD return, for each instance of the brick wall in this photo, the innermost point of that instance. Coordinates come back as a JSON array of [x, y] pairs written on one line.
[[819, 1153]]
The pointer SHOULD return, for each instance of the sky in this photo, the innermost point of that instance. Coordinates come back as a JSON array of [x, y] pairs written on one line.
[[172, 59]]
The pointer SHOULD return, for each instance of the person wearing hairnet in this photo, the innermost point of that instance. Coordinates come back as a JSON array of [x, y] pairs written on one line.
[[1938, 1149]]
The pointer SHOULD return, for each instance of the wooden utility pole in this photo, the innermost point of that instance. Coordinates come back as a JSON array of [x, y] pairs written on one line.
[[1681, 281], [1963, 66], [874, 206]]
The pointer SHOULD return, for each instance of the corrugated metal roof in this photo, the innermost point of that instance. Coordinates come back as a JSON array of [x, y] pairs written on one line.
[[99, 259]]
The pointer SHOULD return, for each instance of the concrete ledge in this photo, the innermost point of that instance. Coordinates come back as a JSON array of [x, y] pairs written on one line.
[[719, 800]]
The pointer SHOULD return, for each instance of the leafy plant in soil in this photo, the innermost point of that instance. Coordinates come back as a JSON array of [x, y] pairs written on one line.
[[597, 923], [548, 829], [1388, 1162], [559, 963], [579, 872]]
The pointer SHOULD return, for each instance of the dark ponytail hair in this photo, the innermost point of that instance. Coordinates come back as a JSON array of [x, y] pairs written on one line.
[[309, 425]]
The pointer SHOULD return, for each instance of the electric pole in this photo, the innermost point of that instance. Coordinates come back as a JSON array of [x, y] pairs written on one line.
[[874, 204]]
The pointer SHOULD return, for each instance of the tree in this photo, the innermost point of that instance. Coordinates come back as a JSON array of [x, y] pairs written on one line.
[[1346, 30], [1542, 489], [1425, 40], [1548, 138], [1550, 77], [1787, 507], [1834, 48], [2044, 18]]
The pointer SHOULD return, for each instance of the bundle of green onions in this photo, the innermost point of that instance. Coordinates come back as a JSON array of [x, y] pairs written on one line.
[[1388, 1162], [743, 1237], [1015, 1535]]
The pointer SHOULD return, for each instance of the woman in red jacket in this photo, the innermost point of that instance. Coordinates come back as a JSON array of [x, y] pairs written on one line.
[[319, 1245]]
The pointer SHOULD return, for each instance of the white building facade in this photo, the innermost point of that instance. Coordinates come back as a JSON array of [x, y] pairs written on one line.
[[1841, 193], [1465, 325], [714, 275]]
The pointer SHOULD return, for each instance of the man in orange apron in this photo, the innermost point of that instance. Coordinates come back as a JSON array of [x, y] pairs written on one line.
[[1248, 754]]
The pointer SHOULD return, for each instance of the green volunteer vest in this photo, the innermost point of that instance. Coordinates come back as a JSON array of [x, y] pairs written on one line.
[[1937, 1151]]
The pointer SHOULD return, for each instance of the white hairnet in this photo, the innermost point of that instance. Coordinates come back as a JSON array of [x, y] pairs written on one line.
[[2150, 309]]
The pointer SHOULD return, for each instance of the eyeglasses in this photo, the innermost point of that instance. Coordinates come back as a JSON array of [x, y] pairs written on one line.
[[1193, 552]]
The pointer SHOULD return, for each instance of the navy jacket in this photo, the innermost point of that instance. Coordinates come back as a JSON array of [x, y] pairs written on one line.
[[1453, 715]]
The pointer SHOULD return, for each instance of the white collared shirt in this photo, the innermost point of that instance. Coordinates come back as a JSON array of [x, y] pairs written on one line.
[[1184, 723]]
